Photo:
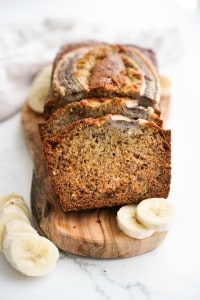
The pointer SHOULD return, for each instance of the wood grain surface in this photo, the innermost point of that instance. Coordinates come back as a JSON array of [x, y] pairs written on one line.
[[92, 233]]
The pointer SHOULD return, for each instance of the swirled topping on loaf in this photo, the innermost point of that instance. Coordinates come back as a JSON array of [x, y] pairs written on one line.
[[95, 108], [103, 71], [108, 161]]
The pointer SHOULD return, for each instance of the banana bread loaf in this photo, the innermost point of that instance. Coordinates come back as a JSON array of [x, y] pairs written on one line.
[[108, 161], [95, 108], [102, 70]]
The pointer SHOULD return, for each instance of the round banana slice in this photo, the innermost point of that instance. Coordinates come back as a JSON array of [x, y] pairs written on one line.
[[30, 254], [155, 213], [18, 226], [14, 199], [127, 222], [39, 89], [7, 214]]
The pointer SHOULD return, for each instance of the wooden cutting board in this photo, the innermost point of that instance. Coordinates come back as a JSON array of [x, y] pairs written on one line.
[[92, 233]]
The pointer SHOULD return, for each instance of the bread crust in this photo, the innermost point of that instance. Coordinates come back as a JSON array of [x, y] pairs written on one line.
[[95, 108], [116, 71]]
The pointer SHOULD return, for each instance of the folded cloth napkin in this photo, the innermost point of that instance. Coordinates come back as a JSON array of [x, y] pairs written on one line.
[[24, 49]]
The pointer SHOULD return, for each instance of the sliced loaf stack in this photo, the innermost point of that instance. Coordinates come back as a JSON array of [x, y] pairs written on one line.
[[103, 140]]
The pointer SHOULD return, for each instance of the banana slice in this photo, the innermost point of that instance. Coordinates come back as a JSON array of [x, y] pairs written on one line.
[[155, 213], [30, 254], [7, 214], [18, 226], [23, 247], [127, 222], [39, 89], [14, 199], [165, 84]]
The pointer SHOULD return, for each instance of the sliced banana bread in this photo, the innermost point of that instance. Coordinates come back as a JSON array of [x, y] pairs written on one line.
[[97, 71], [108, 161], [95, 108]]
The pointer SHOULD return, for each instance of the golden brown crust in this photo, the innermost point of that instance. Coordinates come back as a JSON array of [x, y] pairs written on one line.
[[108, 73], [98, 70]]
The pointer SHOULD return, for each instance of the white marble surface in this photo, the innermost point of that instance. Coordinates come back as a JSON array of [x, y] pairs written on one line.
[[172, 271]]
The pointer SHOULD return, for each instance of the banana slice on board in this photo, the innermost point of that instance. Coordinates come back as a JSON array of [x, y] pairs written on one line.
[[27, 251], [7, 214], [39, 90], [14, 199], [127, 222], [31, 254], [155, 213]]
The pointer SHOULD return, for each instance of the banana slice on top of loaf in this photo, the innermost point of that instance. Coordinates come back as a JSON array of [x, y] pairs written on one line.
[[102, 70]]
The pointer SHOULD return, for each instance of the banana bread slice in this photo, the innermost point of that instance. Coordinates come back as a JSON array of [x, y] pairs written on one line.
[[108, 161], [102, 70], [95, 108]]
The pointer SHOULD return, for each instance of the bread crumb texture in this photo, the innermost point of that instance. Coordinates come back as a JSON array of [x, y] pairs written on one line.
[[107, 161]]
